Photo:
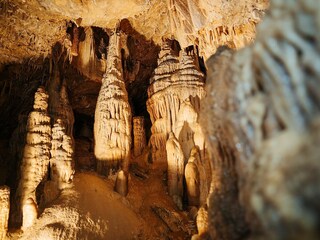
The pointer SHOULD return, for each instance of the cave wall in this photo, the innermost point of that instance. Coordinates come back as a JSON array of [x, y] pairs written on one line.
[[262, 123]]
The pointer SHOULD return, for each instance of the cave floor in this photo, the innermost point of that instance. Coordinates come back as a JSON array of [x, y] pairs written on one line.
[[92, 210]]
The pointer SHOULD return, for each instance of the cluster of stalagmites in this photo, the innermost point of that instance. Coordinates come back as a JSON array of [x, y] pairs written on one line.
[[46, 145], [177, 141], [262, 123]]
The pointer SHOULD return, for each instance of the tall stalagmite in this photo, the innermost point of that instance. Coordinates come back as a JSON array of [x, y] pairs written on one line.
[[61, 162], [4, 210], [262, 122], [112, 126], [36, 156]]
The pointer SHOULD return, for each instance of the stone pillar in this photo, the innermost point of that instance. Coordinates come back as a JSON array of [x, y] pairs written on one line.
[[4, 210], [112, 125], [139, 136]]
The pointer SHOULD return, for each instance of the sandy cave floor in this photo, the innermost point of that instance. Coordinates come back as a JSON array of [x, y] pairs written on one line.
[[92, 210]]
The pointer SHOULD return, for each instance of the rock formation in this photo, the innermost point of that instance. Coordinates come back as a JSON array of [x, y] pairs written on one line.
[[112, 126], [175, 160], [87, 62], [4, 210], [75, 41], [262, 118], [61, 161], [174, 93], [139, 136], [36, 155], [192, 177]]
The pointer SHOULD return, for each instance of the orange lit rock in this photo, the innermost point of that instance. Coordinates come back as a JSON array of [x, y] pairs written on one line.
[[4, 210]]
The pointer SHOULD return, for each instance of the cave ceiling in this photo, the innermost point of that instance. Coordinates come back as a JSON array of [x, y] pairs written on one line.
[[30, 28]]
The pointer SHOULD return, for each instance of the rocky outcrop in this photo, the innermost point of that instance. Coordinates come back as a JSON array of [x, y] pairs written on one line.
[[139, 136], [36, 155], [112, 126], [262, 118], [4, 210]]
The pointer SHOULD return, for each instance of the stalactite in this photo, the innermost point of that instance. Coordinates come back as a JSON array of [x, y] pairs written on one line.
[[139, 136], [112, 126], [61, 161], [36, 154], [87, 61], [175, 169], [4, 210]]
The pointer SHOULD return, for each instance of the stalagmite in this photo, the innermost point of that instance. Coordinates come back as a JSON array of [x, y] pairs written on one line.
[[30, 213], [121, 185], [193, 183], [112, 126], [61, 162], [175, 169], [202, 223], [139, 136], [262, 118], [36, 155], [75, 41], [4, 210]]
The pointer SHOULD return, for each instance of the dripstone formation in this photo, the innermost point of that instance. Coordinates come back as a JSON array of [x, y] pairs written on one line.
[[112, 126], [36, 156]]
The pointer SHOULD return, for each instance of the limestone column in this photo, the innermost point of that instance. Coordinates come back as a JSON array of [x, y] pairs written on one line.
[[4, 210], [139, 136], [112, 126]]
